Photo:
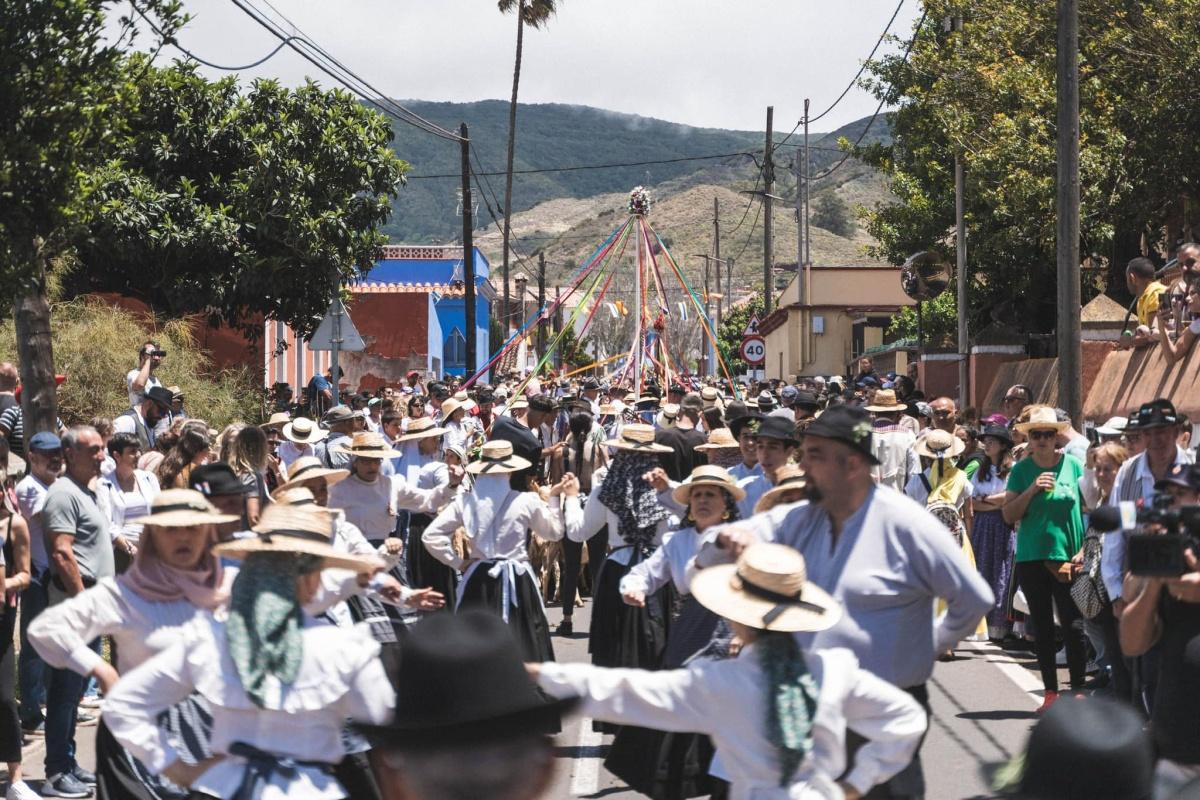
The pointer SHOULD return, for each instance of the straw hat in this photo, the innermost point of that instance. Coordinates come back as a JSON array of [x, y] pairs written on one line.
[[449, 407], [422, 428], [307, 468], [670, 411], [293, 496], [631, 398], [788, 478], [464, 401], [607, 410], [719, 439], [518, 404], [939, 444], [708, 473], [277, 420], [767, 589], [637, 439], [497, 457], [885, 401], [303, 530], [1042, 418], [303, 430], [366, 444], [711, 397], [181, 508]]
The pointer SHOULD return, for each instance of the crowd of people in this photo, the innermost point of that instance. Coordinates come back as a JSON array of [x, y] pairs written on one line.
[[304, 607]]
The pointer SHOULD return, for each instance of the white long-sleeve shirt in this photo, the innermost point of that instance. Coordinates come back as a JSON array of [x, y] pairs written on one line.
[[667, 563], [340, 678], [372, 507], [888, 565], [727, 701], [140, 628], [505, 539], [595, 515]]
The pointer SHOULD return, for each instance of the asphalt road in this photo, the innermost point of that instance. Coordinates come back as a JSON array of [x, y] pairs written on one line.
[[983, 706]]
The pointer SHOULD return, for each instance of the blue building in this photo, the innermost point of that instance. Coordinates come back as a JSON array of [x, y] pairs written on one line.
[[439, 270]]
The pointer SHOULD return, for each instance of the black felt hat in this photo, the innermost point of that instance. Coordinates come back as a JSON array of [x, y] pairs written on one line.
[[846, 424], [160, 395], [739, 423], [780, 428], [216, 480], [462, 680], [543, 403], [1156, 414]]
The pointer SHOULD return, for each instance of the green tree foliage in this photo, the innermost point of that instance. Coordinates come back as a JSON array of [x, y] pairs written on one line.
[[831, 213], [988, 92], [237, 203], [939, 320], [729, 334]]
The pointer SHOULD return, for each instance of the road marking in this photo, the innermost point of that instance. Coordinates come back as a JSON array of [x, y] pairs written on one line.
[[1025, 680], [585, 773]]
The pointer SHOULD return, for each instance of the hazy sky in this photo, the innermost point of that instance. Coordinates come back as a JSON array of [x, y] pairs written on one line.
[[700, 62]]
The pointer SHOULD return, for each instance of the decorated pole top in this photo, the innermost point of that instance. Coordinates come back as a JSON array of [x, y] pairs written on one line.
[[639, 201]]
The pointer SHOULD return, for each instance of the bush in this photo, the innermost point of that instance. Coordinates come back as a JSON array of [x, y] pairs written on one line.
[[831, 213], [95, 344]]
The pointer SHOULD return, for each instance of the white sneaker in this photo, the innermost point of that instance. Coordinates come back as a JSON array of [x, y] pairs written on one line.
[[21, 791]]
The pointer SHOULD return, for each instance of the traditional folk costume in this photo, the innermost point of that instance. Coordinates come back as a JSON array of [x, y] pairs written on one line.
[[496, 575], [622, 635], [779, 715], [280, 684], [145, 611], [661, 764], [426, 472]]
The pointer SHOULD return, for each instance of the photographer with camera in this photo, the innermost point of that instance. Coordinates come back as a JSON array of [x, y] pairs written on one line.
[[1163, 610], [137, 381]]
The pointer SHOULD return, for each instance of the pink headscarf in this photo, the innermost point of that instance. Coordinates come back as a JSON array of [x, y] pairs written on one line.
[[154, 580]]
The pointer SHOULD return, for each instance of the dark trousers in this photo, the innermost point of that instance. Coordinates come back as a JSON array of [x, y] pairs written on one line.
[[597, 548], [908, 783], [1045, 593], [64, 690], [1122, 679], [10, 721], [31, 670]]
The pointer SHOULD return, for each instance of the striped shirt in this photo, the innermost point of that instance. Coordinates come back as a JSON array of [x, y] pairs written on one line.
[[12, 426]]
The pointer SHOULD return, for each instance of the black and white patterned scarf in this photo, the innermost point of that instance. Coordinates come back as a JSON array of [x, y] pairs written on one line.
[[630, 496]]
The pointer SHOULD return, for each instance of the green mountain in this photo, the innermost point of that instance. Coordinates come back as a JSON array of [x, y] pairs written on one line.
[[555, 135]]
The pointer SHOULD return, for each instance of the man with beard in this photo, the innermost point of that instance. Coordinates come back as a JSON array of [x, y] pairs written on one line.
[[878, 552], [142, 419]]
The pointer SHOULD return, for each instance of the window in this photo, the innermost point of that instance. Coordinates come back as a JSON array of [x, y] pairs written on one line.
[[455, 351]]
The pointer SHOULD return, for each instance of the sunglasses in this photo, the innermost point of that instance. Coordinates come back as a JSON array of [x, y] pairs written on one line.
[[1042, 434], [1014, 399]]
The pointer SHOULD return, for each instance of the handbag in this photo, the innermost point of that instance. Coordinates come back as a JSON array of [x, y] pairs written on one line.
[[1087, 590]]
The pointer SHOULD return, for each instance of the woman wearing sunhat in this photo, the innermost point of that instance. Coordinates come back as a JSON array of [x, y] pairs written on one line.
[[175, 578], [778, 714], [279, 686], [992, 537], [496, 575], [664, 765], [422, 467], [1043, 499], [622, 498]]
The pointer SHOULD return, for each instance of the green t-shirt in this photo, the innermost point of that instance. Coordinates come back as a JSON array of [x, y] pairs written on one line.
[[1052, 528]]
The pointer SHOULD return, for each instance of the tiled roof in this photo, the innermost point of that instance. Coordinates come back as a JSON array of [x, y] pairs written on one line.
[[421, 252], [376, 287]]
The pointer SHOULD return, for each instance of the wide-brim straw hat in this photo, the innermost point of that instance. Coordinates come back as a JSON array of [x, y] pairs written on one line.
[[708, 474], [719, 439], [300, 529], [307, 468], [788, 478], [277, 421], [366, 444], [1042, 418], [637, 438], [939, 444], [449, 407], [182, 508], [303, 430], [422, 428], [885, 402], [767, 589], [496, 457]]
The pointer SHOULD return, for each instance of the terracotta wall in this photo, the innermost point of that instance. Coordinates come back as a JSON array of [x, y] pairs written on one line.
[[1127, 378]]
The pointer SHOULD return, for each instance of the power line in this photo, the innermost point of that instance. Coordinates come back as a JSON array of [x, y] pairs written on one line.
[[578, 167], [858, 74], [750, 235]]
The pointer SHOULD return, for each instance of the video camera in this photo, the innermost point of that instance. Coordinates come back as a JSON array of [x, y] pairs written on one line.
[[1155, 555]]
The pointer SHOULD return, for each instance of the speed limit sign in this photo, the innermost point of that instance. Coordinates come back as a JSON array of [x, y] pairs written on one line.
[[754, 350]]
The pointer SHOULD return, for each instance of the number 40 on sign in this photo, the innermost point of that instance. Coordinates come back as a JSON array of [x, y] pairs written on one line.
[[753, 350]]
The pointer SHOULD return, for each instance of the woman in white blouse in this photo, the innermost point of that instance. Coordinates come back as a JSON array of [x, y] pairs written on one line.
[[777, 714], [279, 685], [496, 575], [174, 578], [710, 496], [126, 493]]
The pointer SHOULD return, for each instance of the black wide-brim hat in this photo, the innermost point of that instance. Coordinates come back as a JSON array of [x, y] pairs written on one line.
[[462, 680], [781, 428], [736, 424], [846, 424]]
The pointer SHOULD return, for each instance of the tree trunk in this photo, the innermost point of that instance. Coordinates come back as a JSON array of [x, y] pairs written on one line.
[[508, 173], [31, 316]]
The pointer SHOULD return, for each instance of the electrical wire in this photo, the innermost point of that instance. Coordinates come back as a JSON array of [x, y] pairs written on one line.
[[578, 167], [857, 75]]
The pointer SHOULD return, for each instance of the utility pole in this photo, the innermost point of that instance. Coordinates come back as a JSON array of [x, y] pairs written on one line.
[[704, 350], [801, 217], [768, 211], [468, 249], [807, 193], [558, 321], [541, 331], [1070, 356], [717, 255], [963, 280]]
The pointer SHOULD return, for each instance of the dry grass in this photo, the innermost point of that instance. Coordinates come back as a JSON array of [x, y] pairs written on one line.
[[96, 344]]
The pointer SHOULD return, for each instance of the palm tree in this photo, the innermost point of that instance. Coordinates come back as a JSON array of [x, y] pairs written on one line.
[[535, 14]]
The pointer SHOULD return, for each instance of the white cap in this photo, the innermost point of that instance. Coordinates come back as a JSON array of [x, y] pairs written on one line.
[[1115, 426]]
